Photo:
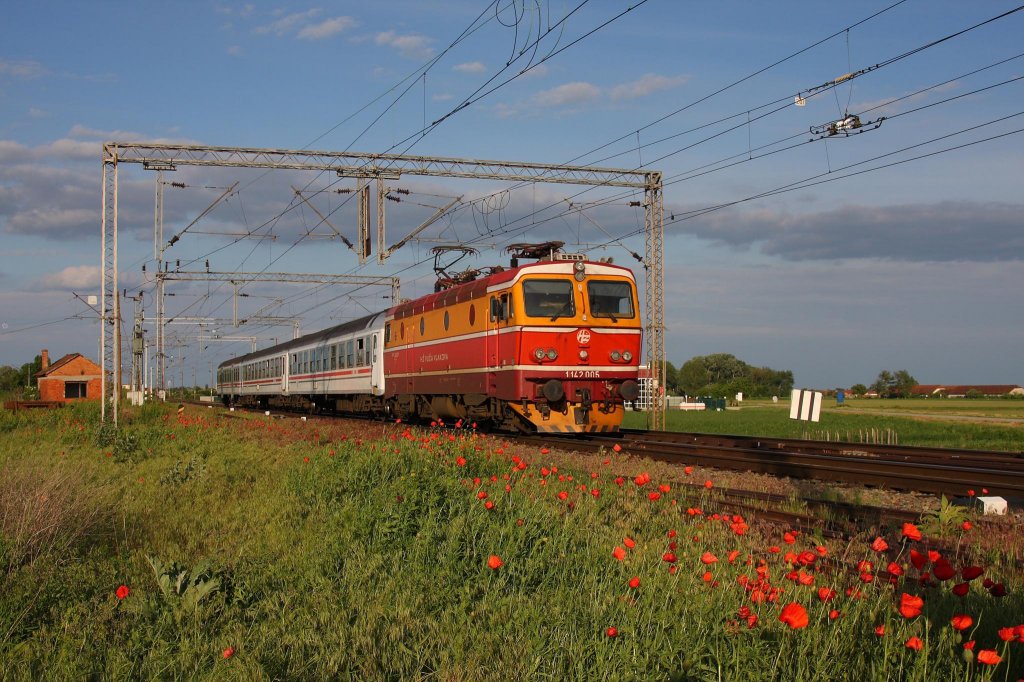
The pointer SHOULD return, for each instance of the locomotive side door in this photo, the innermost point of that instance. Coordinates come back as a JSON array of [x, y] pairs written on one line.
[[284, 373]]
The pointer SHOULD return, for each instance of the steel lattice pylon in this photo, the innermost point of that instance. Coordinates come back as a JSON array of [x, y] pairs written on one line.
[[367, 167]]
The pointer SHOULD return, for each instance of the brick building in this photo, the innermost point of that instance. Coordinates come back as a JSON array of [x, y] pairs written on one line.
[[73, 377]]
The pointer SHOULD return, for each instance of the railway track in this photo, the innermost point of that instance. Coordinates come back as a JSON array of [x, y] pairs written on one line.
[[929, 470]]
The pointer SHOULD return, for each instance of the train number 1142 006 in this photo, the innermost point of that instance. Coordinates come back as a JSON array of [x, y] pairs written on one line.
[[582, 374]]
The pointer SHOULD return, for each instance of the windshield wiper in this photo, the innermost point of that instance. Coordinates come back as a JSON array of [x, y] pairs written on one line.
[[565, 308]]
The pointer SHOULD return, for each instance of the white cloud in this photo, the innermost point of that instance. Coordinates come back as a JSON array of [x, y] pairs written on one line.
[[86, 132], [72, 277], [569, 93], [411, 46], [26, 68], [470, 67], [326, 28], [288, 23], [70, 149], [38, 113], [235, 51], [441, 97], [45, 221], [647, 84], [536, 72]]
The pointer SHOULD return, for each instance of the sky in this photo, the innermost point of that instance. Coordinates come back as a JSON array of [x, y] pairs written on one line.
[[901, 247]]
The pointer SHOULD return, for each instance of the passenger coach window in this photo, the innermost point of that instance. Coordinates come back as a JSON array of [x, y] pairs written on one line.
[[549, 298], [610, 299]]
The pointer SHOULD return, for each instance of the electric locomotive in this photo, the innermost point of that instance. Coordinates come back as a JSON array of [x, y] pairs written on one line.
[[551, 345]]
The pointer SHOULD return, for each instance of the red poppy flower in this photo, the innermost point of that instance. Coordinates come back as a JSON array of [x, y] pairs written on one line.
[[669, 557], [707, 577], [739, 527], [966, 525], [989, 657], [708, 484], [460, 460], [708, 558], [671, 534], [833, 614], [122, 591], [488, 505], [997, 590], [961, 622], [910, 605], [880, 630], [619, 553], [960, 589], [826, 594], [822, 551], [1007, 634], [664, 487], [642, 479], [544, 451], [971, 572], [943, 571], [865, 566], [653, 497], [788, 538], [687, 470], [969, 645], [915, 643], [918, 559], [596, 493], [563, 495], [229, 652], [911, 532], [494, 562], [612, 632], [732, 555], [794, 615], [634, 582], [482, 495], [894, 568], [879, 545], [628, 542], [933, 556], [619, 481], [672, 569], [617, 448]]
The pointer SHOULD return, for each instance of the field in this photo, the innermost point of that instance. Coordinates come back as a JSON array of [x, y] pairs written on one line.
[[974, 424], [217, 546]]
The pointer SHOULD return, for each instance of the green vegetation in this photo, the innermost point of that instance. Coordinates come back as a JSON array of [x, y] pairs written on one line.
[[724, 374], [923, 423], [251, 548]]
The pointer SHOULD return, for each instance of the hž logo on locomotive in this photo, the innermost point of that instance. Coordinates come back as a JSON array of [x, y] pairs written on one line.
[[583, 336]]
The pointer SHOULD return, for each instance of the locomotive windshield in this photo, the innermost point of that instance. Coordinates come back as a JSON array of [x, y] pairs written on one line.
[[610, 299], [551, 298]]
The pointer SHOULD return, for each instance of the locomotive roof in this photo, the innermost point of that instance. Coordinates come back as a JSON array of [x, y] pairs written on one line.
[[358, 325]]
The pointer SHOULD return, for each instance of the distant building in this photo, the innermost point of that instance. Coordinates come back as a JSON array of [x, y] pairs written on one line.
[[960, 391], [73, 377]]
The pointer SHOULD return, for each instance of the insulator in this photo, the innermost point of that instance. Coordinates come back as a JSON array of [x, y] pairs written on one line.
[[179, 185], [402, 191], [634, 203], [394, 199]]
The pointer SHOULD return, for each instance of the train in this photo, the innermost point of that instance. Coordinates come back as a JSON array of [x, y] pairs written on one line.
[[552, 346]]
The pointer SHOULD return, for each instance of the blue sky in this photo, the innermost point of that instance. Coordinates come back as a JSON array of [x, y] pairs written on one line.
[[917, 266]]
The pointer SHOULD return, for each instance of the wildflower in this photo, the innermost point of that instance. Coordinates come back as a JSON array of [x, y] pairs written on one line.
[[989, 657], [619, 553], [915, 643], [628, 542], [1007, 634], [708, 558], [596, 493], [833, 614], [910, 606], [688, 470], [654, 497], [122, 591], [671, 534], [488, 505], [794, 615], [911, 532], [966, 525], [943, 571], [894, 568], [544, 451], [961, 589], [879, 545], [617, 448], [612, 632], [664, 487], [732, 555], [822, 551], [619, 481], [707, 577], [708, 484], [563, 495], [961, 622], [642, 479], [460, 460], [969, 645], [880, 630], [669, 557], [229, 652], [494, 562], [788, 537], [971, 572], [634, 582], [482, 495], [826, 594], [918, 559]]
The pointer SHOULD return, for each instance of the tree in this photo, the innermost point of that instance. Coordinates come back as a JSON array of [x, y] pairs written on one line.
[[693, 376], [858, 389], [671, 378], [894, 384], [724, 374]]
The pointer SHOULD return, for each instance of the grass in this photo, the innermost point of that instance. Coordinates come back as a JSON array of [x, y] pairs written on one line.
[[319, 551], [861, 418]]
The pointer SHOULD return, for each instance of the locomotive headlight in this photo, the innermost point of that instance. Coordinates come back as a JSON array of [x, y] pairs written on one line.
[[552, 354], [627, 356], [579, 271], [616, 356], [584, 354], [539, 354]]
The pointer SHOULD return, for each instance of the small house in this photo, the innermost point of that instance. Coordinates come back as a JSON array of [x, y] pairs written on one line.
[[73, 377]]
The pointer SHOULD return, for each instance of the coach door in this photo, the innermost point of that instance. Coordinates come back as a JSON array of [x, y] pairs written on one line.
[[376, 366]]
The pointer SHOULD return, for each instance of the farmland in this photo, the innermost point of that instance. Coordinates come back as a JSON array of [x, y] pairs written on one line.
[[239, 547]]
